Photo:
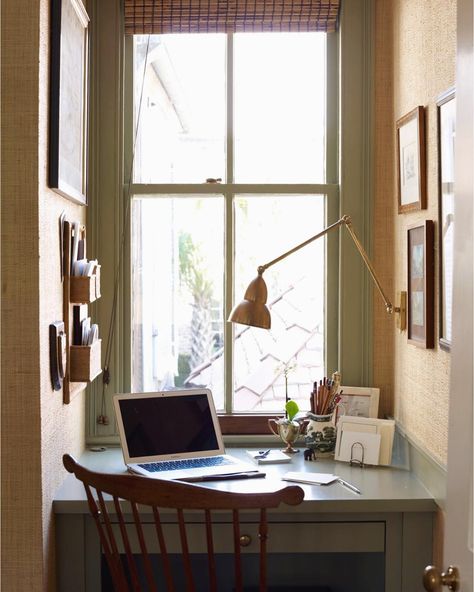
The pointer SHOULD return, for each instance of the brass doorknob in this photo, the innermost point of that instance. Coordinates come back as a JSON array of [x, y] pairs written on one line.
[[245, 540], [433, 580]]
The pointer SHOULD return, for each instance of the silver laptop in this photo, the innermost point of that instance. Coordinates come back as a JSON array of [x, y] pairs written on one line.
[[175, 435]]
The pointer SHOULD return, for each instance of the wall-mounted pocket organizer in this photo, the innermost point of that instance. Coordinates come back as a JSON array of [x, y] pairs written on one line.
[[85, 362], [85, 288], [81, 286]]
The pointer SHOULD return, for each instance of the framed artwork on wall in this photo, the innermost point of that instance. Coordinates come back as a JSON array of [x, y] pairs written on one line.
[[446, 140], [68, 114], [420, 242], [411, 161]]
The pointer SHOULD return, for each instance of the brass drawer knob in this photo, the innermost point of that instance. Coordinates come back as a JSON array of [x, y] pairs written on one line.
[[433, 580], [245, 540]]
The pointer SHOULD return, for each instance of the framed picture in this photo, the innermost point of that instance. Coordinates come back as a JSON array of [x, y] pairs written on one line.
[[360, 401], [411, 161], [421, 284], [68, 99], [446, 140]]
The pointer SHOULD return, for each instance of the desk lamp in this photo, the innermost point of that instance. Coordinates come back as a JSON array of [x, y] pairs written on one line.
[[253, 310]]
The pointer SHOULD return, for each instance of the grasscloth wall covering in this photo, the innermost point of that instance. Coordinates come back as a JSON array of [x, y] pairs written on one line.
[[416, 52], [383, 206], [36, 427]]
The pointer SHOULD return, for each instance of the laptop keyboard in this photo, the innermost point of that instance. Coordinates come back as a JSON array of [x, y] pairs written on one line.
[[189, 463]]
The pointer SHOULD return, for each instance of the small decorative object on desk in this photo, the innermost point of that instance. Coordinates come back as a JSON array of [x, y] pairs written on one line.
[[321, 431], [287, 428]]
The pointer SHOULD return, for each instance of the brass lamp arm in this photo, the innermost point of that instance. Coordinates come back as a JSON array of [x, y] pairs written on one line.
[[347, 222]]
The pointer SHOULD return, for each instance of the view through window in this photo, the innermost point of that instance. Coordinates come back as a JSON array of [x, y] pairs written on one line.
[[249, 109]]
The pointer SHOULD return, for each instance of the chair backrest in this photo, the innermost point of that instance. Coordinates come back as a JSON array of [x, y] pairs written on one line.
[[113, 519]]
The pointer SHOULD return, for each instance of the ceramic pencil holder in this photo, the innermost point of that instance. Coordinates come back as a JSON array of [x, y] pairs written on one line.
[[321, 432]]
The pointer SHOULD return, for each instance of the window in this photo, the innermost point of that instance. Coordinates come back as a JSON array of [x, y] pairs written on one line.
[[229, 228], [250, 109]]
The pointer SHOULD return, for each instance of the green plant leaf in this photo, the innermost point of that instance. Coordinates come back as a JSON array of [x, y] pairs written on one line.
[[291, 409]]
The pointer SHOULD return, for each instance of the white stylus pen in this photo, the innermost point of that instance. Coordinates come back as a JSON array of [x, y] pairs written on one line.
[[349, 486]]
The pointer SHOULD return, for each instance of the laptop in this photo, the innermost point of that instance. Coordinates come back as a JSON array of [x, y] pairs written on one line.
[[175, 435]]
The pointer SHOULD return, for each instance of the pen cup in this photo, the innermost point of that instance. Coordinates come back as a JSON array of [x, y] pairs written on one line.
[[321, 431]]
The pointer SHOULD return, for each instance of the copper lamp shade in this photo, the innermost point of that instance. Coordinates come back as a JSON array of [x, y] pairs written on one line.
[[253, 310]]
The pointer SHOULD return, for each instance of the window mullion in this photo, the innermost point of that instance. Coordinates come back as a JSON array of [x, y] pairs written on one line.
[[228, 300], [143, 189], [230, 109], [229, 229]]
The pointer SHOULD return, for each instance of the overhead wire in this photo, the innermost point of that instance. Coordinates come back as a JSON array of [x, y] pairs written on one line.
[[102, 417]]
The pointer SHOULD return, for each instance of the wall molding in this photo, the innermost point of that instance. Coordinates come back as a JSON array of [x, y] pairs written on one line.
[[413, 456]]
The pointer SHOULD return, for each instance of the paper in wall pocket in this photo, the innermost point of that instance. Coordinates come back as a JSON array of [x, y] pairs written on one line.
[[79, 313]]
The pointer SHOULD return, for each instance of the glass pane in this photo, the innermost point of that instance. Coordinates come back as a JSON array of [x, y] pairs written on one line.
[[182, 120], [280, 97], [178, 293], [266, 227]]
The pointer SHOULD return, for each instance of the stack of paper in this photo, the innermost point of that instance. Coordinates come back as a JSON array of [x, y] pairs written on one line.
[[312, 478], [271, 457], [368, 440]]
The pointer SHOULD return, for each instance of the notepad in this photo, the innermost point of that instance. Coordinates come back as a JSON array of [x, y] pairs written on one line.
[[311, 478], [273, 457]]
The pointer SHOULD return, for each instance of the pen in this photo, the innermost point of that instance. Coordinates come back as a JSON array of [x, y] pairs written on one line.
[[349, 486], [224, 477], [263, 453]]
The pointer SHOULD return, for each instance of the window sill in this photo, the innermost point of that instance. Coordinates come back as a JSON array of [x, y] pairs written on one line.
[[245, 425]]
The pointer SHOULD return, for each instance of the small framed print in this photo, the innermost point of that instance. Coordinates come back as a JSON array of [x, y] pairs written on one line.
[[411, 161], [446, 140], [421, 284], [360, 401]]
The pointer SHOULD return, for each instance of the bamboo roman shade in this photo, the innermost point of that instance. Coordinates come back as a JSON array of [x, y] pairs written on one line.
[[227, 16]]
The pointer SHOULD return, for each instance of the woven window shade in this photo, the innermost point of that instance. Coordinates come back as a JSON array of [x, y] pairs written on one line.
[[227, 16]]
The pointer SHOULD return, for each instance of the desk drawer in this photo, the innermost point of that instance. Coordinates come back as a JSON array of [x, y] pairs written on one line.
[[307, 537]]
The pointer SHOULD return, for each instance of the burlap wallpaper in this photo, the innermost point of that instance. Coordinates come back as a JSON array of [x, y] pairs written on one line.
[[415, 63], [36, 427]]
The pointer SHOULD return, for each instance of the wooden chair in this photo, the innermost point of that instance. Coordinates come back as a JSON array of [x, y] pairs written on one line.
[[162, 497]]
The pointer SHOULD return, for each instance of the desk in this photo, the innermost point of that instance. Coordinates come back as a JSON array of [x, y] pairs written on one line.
[[391, 522]]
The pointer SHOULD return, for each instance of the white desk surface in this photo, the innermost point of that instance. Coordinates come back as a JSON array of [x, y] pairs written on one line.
[[384, 489]]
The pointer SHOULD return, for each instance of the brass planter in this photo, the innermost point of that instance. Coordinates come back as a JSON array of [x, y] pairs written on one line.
[[288, 431]]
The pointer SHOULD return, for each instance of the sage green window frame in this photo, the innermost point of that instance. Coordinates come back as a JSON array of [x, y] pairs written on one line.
[[348, 313]]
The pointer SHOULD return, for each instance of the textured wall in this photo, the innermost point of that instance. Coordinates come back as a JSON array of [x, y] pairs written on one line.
[[21, 418], [418, 39], [383, 207], [36, 427]]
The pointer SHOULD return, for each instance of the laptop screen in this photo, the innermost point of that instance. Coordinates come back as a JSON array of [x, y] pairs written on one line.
[[168, 425]]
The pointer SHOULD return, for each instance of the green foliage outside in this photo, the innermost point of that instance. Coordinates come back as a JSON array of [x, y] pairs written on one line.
[[184, 369]]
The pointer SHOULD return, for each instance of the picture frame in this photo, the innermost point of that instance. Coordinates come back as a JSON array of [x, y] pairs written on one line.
[[420, 253], [411, 161], [68, 117], [360, 401], [446, 108]]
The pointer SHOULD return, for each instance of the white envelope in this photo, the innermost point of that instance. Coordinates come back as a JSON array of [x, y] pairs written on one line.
[[349, 448], [364, 425]]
